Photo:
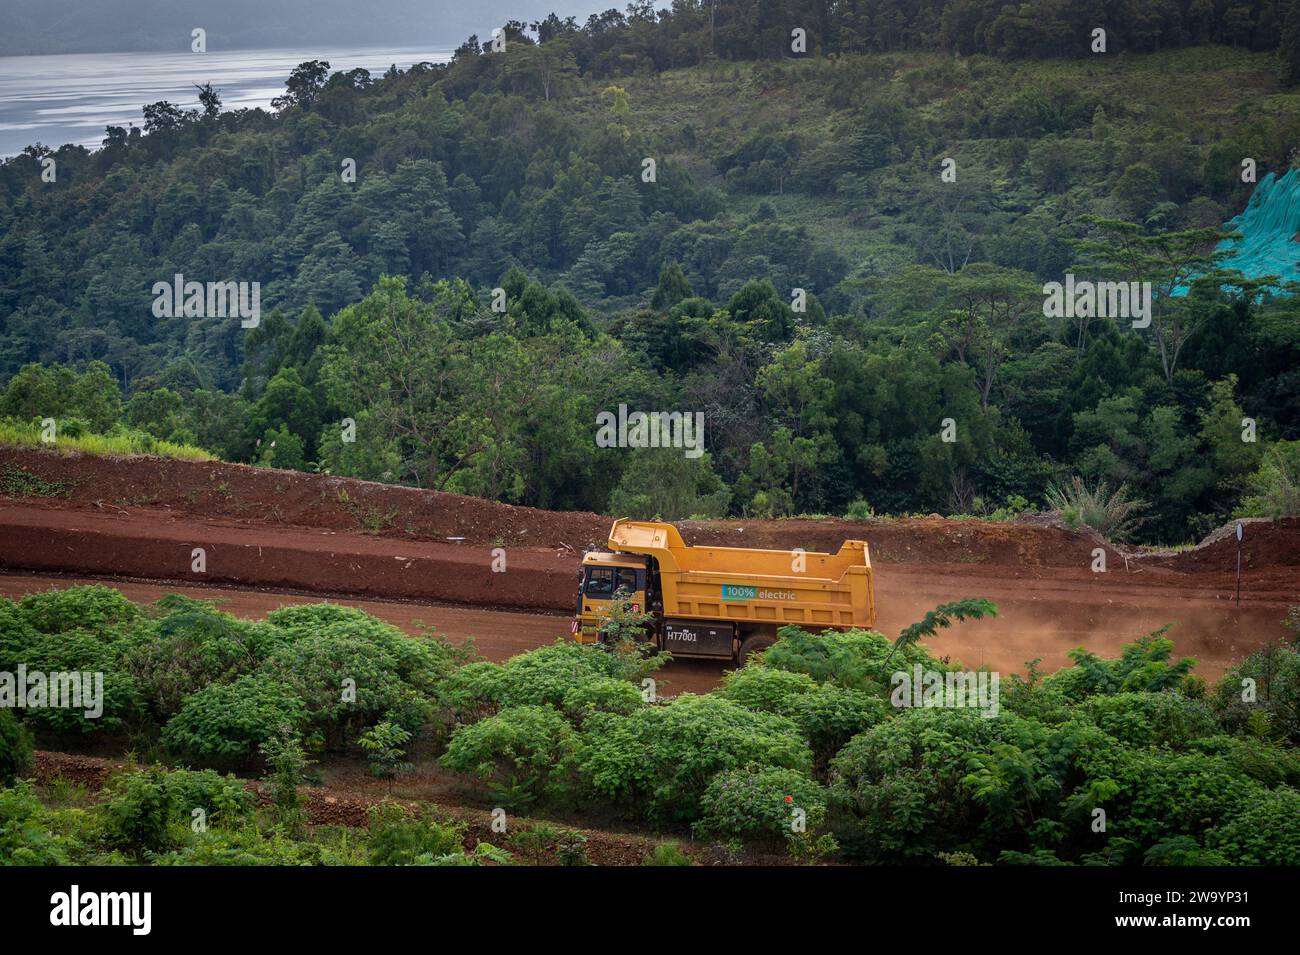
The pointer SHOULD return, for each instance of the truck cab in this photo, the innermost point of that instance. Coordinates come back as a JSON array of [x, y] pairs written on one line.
[[602, 576]]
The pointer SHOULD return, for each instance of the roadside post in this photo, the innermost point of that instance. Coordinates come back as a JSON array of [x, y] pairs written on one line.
[[1239, 533]]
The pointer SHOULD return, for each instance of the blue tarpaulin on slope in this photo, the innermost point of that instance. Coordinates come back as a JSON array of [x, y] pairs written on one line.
[[1270, 230]]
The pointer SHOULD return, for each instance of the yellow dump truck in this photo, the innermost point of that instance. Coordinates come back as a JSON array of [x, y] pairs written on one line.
[[720, 602]]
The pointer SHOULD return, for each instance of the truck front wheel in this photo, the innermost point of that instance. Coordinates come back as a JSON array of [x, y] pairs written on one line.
[[754, 643]]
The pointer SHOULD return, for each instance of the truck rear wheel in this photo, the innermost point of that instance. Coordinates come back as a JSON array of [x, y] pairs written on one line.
[[754, 643]]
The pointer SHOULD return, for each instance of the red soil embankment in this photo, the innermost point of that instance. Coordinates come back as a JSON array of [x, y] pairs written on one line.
[[290, 532]]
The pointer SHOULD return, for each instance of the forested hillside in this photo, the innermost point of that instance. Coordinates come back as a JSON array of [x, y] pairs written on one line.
[[651, 192]]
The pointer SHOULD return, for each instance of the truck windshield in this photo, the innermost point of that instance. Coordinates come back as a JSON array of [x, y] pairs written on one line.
[[603, 581], [600, 582]]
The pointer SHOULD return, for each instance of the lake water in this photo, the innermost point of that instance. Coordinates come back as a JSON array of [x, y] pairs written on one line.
[[70, 98]]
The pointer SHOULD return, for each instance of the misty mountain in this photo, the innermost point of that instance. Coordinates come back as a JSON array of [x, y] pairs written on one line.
[[113, 26]]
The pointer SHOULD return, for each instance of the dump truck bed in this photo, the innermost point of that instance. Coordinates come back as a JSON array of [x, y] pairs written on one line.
[[771, 587]]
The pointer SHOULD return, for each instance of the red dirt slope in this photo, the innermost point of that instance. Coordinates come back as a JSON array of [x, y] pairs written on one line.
[[143, 518], [240, 495]]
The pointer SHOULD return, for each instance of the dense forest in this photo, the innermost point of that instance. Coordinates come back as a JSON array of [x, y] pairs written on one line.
[[835, 250]]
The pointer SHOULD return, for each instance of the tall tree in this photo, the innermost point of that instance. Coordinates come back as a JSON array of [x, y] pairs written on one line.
[[1171, 262], [209, 99], [304, 84]]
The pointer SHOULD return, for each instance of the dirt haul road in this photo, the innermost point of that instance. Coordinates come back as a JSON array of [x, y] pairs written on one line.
[[281, 534], [1043, 612]]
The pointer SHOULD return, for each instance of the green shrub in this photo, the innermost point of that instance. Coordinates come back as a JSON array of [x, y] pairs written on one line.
[[170, 603], [1275, 675], [248, 846], [17, 636], [304, 619], [1143, 666], [545, 675], [421, 663], [73, 650], [226, 722], [484, 853], [540, 677], [223, 799], [1152, 794], [762, 804], [659, 760], [1261, 760], [1266, 831], [475, 690], [536, 841], [543, 841], [899, 790], [399, 678], [193, 648], [1033, 795], [91, 607], [859, 510], [15, 748], [853, 659], [1043, 857], [383, 744], [316, 668], [764, 689], [140, 812], [525, 747], [25, 835], [81, 653], [1113, 514], [398, 838], [1032, 697], [1274, 489], [285, 764], [1181, 851], [830, 716], [667, 854], [572, 850], [1152, 719], [602, 695]]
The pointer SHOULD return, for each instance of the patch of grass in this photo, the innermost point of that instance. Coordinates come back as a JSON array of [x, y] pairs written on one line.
[[124, 442], [667, 854], [62, 792], [1014, 507], [17, 482], [371, 519]]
